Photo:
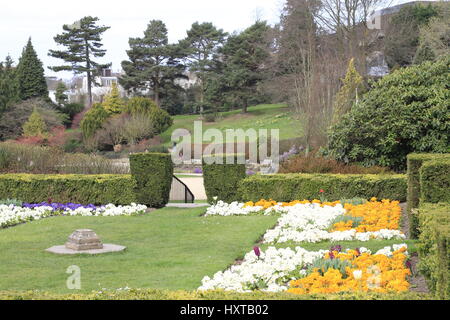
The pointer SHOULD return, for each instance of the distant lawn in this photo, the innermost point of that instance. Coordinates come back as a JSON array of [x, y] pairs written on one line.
[[266, 116], [166, 249]]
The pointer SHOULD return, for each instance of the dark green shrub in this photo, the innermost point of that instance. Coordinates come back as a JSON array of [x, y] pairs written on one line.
[[71, 109], [153, 174], [83, 189], [414, 163], [161, 120], [221, 180], [406, 111], [434, 247], [435, 181], [289, 187]]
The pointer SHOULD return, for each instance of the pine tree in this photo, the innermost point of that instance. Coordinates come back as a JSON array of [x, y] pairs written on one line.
[[83, 42], [113, 103], [60, 95], [202, 42], [352, 86], [35, 126], [9, 88], [30, 75], [152, 62]]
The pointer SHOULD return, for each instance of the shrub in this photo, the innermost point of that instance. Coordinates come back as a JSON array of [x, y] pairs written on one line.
[[80, 163], [93, 120], [140, 105], [71, 109], [414, 163], [435, 181], [289, 187], [406, 111], [153, 174], [137, 128], [113, 103], [221, 180], [434, 247], [83, 189], [313, 164], [161, 120], [35, 126]]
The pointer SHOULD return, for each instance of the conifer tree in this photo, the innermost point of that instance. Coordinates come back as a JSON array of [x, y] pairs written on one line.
[[30, 75], [352, 86], [113, 103], [9, 89], [60, 95], [83, 44], [35, 126]]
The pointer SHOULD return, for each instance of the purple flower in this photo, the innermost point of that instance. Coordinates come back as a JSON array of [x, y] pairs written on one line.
[[337, 248], [408, 264], [198, 170], [331, 254], [257, 251], [249, 172]]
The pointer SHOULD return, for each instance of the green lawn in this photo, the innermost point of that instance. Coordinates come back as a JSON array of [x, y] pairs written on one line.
[[166, 249], [267, 116]]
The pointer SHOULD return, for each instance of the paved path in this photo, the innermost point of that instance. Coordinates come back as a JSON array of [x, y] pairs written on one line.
[[187, 205], [196, 186]]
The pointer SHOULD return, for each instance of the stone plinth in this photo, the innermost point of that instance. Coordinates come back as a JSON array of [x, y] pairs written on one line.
[[84, 239]]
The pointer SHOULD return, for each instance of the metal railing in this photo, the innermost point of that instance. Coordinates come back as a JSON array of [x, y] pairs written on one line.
[[179, 191]]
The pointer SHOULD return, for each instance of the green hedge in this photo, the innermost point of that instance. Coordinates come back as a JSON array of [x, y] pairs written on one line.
[[435, 181], [415, 162], [64, 188], [288, 187], [221, 180], [433, 247], [153, 173], [156, 294]]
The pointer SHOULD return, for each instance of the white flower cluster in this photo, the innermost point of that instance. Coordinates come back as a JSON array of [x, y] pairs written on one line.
[[229, 209], [11, 215], [272, 270], [303, 223]]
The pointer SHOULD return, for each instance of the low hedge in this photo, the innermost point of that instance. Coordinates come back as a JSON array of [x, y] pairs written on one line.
[[434, 247], [414, 163], [156, 294], [435, 181], [64, 188], [288, 187], [221, 180], [153, 173]]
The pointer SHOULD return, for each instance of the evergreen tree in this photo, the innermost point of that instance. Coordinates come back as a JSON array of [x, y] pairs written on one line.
[[60, 95], [35, 126], [202, 42], [83, 43], [352, 86], [9, 88], [152, 62], [244, 55], [30, 75], [113, 103]]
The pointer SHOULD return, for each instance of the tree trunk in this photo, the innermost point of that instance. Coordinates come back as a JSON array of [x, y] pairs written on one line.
[[156, 93], [89, 78]]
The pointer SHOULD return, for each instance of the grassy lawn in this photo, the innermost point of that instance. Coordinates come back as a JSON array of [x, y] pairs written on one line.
[[166, 249], [267, 116]]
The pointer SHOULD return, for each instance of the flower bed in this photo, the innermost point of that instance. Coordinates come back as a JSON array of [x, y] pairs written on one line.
[[315, 221], [301, 271], [11, 215]]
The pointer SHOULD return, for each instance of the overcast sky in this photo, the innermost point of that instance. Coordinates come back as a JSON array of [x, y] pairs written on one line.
[[43, 19]]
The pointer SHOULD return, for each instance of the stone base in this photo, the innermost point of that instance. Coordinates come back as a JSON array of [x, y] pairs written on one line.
[[106, 249]]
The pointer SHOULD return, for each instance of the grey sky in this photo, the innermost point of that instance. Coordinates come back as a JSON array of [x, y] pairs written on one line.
[[43, 19]]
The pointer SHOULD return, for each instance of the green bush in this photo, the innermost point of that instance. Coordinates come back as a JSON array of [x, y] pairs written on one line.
[[289, 187], [157, 294], [83, 189], [93, 120], [221, 180], [435, 181], [406, 111], [140, 106], [153, 174], [414, 163], [434, 247]]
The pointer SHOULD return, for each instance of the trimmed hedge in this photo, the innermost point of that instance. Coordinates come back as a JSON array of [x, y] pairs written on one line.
[[434, 247], [435, 181], [289, 187], [153, 173], [64, 188], [415, 162], [222, 180], [157, 294]]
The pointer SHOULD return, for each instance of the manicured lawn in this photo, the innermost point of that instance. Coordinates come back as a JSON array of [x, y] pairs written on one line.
[[267, 116], [166, 249]]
